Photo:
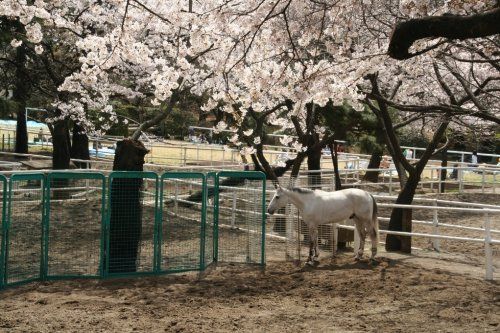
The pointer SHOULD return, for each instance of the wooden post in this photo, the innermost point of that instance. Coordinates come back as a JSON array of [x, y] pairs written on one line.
[[482, 181], [487, 248], [390, 182], [435, 223], [432, 180], [233, 213]]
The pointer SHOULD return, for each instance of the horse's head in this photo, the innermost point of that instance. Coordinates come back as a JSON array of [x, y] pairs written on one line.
[[280, 199]]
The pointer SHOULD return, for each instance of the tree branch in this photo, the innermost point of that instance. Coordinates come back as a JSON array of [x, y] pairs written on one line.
[[448, 26]]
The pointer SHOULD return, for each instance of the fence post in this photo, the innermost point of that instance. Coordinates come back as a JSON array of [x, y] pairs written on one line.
[[482, 181], [335, 239], [8, 141], [190, 188], [432, 180], [439, 173], [233, 214], [3, 142], [460, 179], [435, 223], [357, 169], [176, 203], [390, 182], [487, 248], [494, 181]]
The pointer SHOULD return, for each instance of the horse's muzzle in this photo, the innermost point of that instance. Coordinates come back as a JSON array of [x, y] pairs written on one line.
[[270, 212]]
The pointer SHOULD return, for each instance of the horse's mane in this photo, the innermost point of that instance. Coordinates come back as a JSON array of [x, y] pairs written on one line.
[[302, 190]]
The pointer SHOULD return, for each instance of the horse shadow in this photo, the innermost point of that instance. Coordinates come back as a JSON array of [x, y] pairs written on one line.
[[363, 264]]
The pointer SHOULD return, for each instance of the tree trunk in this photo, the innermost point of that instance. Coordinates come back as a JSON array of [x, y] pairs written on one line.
[[80, 146], [400, 220], [338, 187], [21, 130], [375, 159], [314, 164], [60, 157], [126, 209], [60, 146], [335, 160], [20, 95]]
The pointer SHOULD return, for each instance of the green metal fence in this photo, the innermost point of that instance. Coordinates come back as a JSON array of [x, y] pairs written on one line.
[[74, 225], [240, 217], [24, 235], [183, 222], [86, 225], [3, 227]]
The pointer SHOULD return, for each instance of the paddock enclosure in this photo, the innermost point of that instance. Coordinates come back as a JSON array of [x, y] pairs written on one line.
[[63, 225]]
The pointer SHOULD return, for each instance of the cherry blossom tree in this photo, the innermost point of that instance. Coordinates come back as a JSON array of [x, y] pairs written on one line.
[[256, 55]]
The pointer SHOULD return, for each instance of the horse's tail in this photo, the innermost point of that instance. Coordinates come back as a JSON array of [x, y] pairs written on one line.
[[374, 230]]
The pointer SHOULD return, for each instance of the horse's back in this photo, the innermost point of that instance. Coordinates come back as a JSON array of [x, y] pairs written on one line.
[[360, 201]]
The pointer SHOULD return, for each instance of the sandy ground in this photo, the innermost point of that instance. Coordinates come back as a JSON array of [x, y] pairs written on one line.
[[393, 295]]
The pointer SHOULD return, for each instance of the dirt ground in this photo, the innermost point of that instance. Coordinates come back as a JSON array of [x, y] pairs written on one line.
[[392, 295]]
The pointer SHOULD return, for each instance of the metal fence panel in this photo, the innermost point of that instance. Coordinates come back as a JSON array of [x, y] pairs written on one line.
[[3, 227], [24, 230], [75, 214], [182, 233], [131, 223], [241, 218], [210, 220]]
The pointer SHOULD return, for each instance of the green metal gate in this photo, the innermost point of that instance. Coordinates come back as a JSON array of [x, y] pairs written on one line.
[[74, 239], [3, 228], [132, 223], [86, 225], [241, 218], [24, 246], [183, 214]]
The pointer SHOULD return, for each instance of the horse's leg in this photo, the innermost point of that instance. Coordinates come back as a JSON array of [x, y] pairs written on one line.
[[314, 238], [313, 244], [374, 241], [360, 228]]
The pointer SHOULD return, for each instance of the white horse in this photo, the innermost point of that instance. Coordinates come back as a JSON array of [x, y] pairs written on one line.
[[320, 207]]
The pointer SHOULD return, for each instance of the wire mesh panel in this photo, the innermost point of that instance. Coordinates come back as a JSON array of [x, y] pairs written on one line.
[[75, 215], [23, 250], [241, 217], [210, 220], [183, 217], [131, 223], [3, 226], [288, 235]]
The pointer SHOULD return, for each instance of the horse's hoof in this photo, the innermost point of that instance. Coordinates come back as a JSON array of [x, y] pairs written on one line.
[[357, 258], [310, 263]]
